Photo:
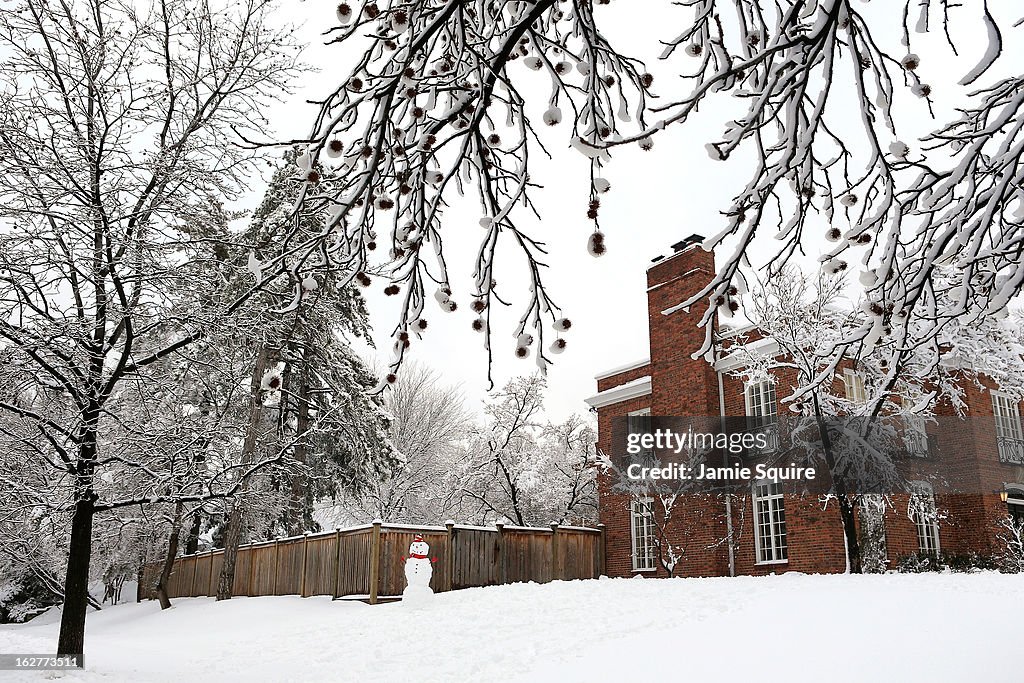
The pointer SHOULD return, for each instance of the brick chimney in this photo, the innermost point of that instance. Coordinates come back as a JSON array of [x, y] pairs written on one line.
[[680, 385]]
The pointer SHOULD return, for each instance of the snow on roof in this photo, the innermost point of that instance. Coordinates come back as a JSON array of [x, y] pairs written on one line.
[[739, 356], [641, 386], [622, 368]]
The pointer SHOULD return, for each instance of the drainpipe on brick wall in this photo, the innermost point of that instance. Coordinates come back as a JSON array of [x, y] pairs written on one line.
[[728, 496]]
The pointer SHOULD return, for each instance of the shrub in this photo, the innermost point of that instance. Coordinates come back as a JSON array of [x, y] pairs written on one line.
[[937, 562]]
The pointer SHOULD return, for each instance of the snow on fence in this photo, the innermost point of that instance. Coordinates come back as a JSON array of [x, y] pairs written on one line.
[[367, 561]]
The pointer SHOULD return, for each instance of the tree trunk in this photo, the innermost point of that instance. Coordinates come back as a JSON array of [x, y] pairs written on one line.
[[71, 641], [847, 507], [298, 511], [847, 512], [233, 535], [192, 542], [172, 552]]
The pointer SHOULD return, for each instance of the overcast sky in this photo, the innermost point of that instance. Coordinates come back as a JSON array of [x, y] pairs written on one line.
[[657, 198]]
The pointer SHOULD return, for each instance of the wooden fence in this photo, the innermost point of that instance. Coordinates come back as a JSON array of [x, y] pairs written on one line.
[[365, 562]]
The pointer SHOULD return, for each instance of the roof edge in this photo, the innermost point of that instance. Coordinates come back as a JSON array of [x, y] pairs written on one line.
[[622, 368]]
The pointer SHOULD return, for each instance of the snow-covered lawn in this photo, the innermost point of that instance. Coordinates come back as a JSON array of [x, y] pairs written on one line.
[[927, 627]]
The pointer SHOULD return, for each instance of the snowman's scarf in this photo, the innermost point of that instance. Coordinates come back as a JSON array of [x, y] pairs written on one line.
[[414, 556]]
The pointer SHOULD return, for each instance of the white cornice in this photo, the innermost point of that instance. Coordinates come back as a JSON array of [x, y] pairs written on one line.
[[624, 392], [739, 357]]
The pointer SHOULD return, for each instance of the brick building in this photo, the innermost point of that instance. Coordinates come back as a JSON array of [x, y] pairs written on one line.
[[766, 530]]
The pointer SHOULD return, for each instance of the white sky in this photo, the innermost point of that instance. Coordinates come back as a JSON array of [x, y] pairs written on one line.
[[657, 198]]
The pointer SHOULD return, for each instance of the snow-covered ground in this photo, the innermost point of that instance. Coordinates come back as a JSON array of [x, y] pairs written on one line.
[[926, 627]]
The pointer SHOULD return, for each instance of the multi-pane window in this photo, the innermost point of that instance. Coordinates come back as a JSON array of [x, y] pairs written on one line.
[[925, 515], [1008, 430], [761, 405], [639, 422], [769, 522], [854, 384], [1007, 416], [641, 511], [641, 524], [915, 431], [762, 412]]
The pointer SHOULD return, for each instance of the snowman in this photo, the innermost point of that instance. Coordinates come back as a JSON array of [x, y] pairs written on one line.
[[418, 571]]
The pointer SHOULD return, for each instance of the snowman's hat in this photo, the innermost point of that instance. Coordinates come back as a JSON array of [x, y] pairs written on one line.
[[417, 538]]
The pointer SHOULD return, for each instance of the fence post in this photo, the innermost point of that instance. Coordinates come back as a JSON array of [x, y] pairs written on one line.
[[502, 570], [302, 579], [250, 589], [375, 561], [277, 563], [449, 556], [602, 570], [192, 586], [337, 563], [554, 551]]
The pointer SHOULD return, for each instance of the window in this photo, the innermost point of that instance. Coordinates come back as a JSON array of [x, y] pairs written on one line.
[[760, 399], [762, 413], [925, 515], [915, 432], [769, 523], [1007, 416], [1015, 504], [854, 382], [1008, 430], [639, 422], [641, 525]]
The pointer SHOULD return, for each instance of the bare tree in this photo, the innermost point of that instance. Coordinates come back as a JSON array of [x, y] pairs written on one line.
[[115, 130], [568, 487], [497, 476], [525, 470], [429, 427]]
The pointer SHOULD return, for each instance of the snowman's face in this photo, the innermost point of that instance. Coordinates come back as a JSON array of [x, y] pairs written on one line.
[[419, 548]]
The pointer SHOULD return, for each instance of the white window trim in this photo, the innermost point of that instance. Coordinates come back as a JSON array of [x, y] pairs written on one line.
[[757, 526], [1014, 493], [853, 386], [646, 501]]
